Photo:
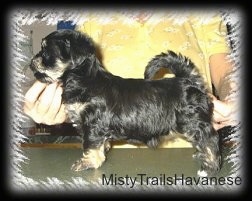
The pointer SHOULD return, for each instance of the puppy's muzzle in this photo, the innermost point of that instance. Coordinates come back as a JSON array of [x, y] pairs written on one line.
[[36, 64], [39, 70]]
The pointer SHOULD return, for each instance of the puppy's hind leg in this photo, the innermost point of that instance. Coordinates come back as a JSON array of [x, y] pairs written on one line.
[[209, 155], [206, 141]]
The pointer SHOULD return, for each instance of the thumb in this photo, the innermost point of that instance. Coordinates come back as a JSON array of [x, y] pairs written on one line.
[[222, 108]]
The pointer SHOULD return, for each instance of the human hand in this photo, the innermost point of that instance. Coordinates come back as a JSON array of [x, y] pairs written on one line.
[[224, 113], [43, 103]]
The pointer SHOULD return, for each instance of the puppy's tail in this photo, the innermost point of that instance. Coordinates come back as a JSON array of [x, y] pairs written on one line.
[[180, 65]]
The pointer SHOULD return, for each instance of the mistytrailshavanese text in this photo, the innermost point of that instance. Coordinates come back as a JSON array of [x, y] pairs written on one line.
[[163, 180]]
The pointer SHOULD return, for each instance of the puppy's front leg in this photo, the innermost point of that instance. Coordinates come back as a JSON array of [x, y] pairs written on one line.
[[92, 158], [94, 148]]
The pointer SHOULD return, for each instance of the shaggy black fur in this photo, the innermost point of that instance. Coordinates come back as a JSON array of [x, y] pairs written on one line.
[[106, 107]]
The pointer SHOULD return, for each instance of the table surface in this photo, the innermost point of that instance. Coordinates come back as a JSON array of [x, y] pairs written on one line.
[[120, 162]]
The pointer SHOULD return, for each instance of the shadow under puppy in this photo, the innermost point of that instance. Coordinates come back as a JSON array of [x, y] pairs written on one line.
[[105, 107]]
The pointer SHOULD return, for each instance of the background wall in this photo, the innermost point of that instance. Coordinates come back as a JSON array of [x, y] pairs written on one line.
[[39, 30]]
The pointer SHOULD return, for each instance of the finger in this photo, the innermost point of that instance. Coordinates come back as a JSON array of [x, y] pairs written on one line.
[[219, 125], [222, 108], [59, 118], [55, 104], [217, 117], [212, 96], [32, 113], [33, 93], [46, 98], [61, 115]]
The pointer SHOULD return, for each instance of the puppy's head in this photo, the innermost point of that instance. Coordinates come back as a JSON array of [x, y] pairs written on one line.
[[60, 51]]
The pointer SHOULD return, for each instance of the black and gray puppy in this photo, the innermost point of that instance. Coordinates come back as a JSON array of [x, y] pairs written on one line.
[[105, 107]]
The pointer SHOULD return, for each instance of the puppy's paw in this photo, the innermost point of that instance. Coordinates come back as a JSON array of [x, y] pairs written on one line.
[[81, 164], [197, 155], [107, 146], [92, 159], [202, 173]]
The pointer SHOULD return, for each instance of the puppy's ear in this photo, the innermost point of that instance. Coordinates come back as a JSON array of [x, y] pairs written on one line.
[[65, 48]]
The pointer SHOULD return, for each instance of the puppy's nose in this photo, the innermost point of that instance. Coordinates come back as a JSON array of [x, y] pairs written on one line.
[[36, 64]]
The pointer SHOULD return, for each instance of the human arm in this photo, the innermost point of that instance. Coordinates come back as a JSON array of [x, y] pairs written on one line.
[[224, 109]]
